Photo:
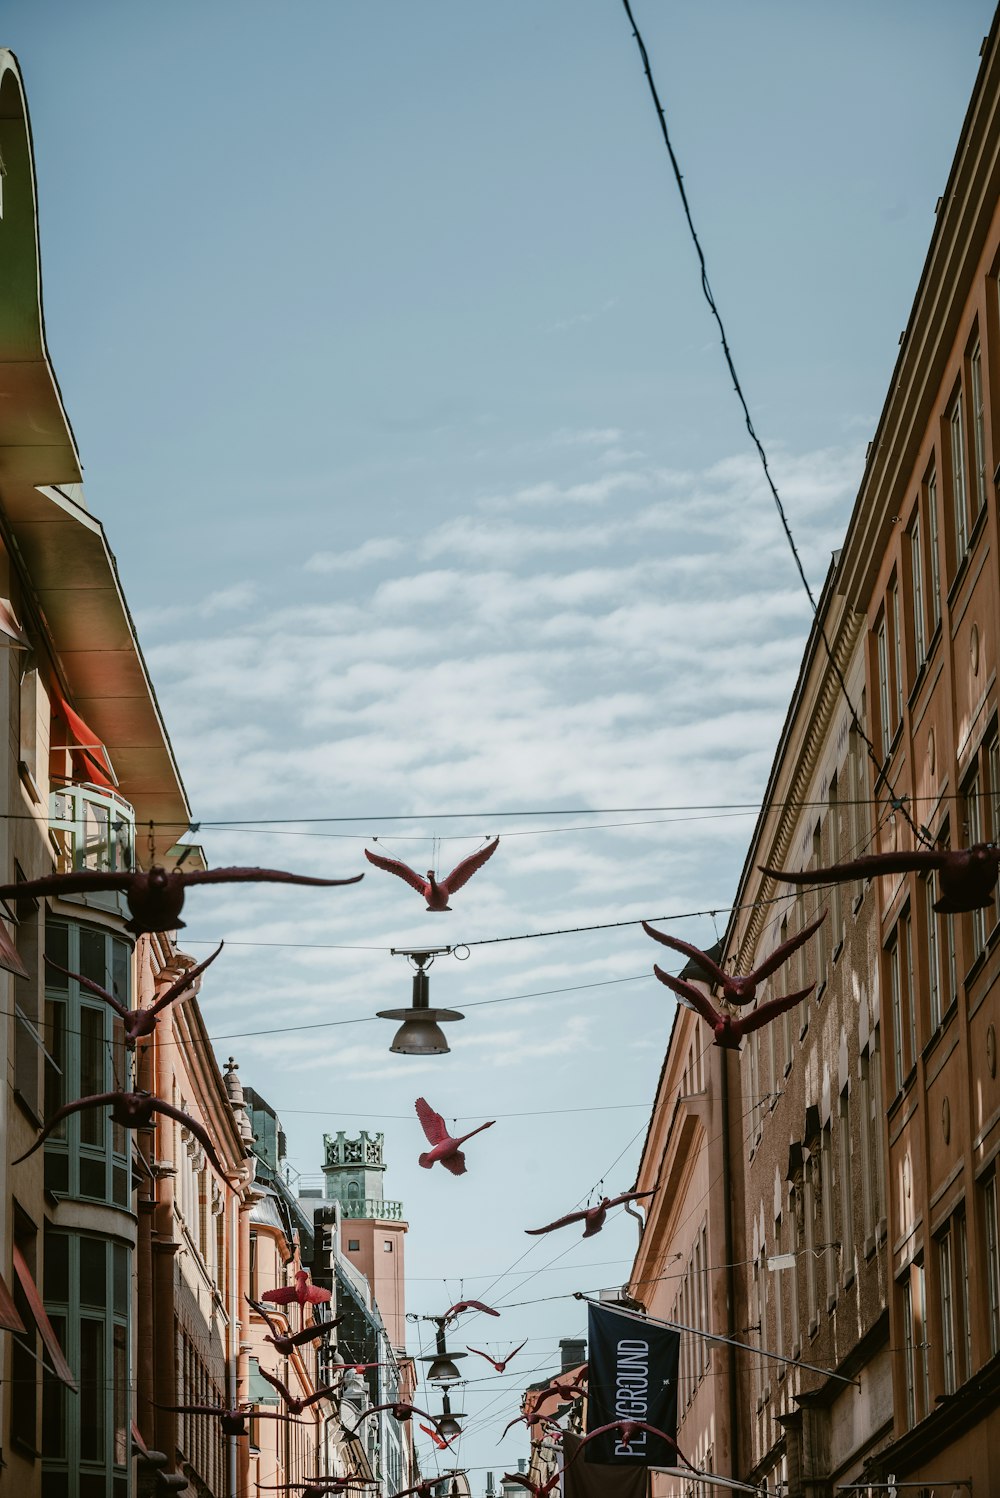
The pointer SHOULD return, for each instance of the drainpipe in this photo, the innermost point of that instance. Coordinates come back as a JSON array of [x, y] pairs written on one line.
[[234, 1324], [727, 1197]]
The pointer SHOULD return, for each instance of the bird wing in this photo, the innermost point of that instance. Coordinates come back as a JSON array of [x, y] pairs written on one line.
[[781, 954], [630, 1196], [455, 1163], [317, 1329], [517, 1420], [91, 987], [694, 953], [694, 996], [84, 882], [560, 1222], [432, 1123], [765, 1013], [484, 1355], [272, 1325], [865, 868], [328, 1393], [98, 1100], [184, 982], [283, 1296], [514, 1354], [400, 869], [317, 1296], [251, 876], [469, 1305], [276, 1383], [201, 1134], [463, 872]]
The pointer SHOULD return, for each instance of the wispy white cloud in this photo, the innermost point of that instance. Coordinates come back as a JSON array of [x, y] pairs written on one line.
[[383, 549]]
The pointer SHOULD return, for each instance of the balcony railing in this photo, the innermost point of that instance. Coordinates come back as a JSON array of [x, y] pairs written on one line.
[[374, 1207], [92, 828]]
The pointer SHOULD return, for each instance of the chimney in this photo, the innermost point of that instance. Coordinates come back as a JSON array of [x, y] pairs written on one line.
[[573, 1351]]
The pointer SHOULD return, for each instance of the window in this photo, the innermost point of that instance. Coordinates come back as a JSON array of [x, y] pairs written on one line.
[[846, 1202], [882, 654], [959, 495], [934, 572], [972, 791], [991, 1216], [826, 1210], [933, 957], [909, 1352], [897, 651], [836, 899], [88, 1155], [387, 1245], [917, 585], [956, 1329], [795, 1234], [353, 1245], [858, 785], [904, 1031], [28, 1045], [819, 940], [809, 1183], [872, 1161], [978, 428]]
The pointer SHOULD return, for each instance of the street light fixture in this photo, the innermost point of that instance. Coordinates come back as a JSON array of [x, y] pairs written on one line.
[[420, 1032]]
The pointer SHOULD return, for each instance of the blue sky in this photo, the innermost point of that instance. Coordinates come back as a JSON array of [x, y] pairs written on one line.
[[381, 336]]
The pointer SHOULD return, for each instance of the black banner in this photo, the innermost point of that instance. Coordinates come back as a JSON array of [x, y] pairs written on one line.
[[632, 1376]]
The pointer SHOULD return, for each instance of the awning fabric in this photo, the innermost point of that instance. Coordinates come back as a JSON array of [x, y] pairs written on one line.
[[10, 1318], [60, 1367], [599, 1481], [90, 758], [9, 960]]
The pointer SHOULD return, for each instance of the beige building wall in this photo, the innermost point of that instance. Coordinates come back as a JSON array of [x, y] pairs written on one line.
[[381, 1257]]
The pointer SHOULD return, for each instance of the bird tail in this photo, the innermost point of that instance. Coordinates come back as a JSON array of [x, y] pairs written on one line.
[[425, 1161]]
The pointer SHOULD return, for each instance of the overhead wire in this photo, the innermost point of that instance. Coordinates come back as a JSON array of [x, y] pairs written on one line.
[[920, 833]]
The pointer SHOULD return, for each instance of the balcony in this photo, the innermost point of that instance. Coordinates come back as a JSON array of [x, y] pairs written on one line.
[[91, 828], [385, 1211]]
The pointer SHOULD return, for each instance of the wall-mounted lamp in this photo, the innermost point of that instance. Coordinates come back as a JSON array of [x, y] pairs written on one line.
[[420, 1032]]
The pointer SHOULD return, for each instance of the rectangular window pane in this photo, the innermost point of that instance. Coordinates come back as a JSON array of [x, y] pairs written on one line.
[[121, 1295], [93, 1272], [908, 1354], [56, 1286], [946, 1273], [54, 1035], [53, 1390], [990, 1206], [93, 956], [91, 1396], [883, 687], [958, 480], [934, 574], [917, 582], [933, 969], [57, 947], [93, 1074], [978, 428], [120, 1353]]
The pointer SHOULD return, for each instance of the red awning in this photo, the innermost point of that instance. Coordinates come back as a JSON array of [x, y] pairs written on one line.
[[90, 758], [9, 959], [60, 1367], [10, 1318], [9, 627]]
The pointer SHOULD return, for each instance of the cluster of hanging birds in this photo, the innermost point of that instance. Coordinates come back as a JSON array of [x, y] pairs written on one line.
[[967, 881]]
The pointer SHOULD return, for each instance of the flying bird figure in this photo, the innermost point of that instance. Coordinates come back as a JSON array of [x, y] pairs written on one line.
[[444, 1148], [736, 989], [140, 1022], [536, 1417], [425, 1488], [315, 1487], [729, 1031], [967, 877], [540, 1489], [292, 1401], [302, 1294], [595, 1216], [467, 1305], [155, 898], [132, 1110], [439, 1440], [502, 1364], [400, 1410], [283, 1341], [234, 1420], [436, 892], [627, 1431]]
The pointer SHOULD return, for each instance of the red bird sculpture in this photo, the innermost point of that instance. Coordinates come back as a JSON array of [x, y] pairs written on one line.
[[729, 1031], [233, 1421], [284, 1342], [302, 1294], [154, 898], [292, 1401], [466, 1305], [425, 1488], [627, 1430], [540, 1489], [445, 1149], [502, 1364], [735, 989], [131, 1110], [967, 877], [439, 1440], [594, 1217], [140, 1022], [400, 1410], [436, 892], [536, 1417]]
